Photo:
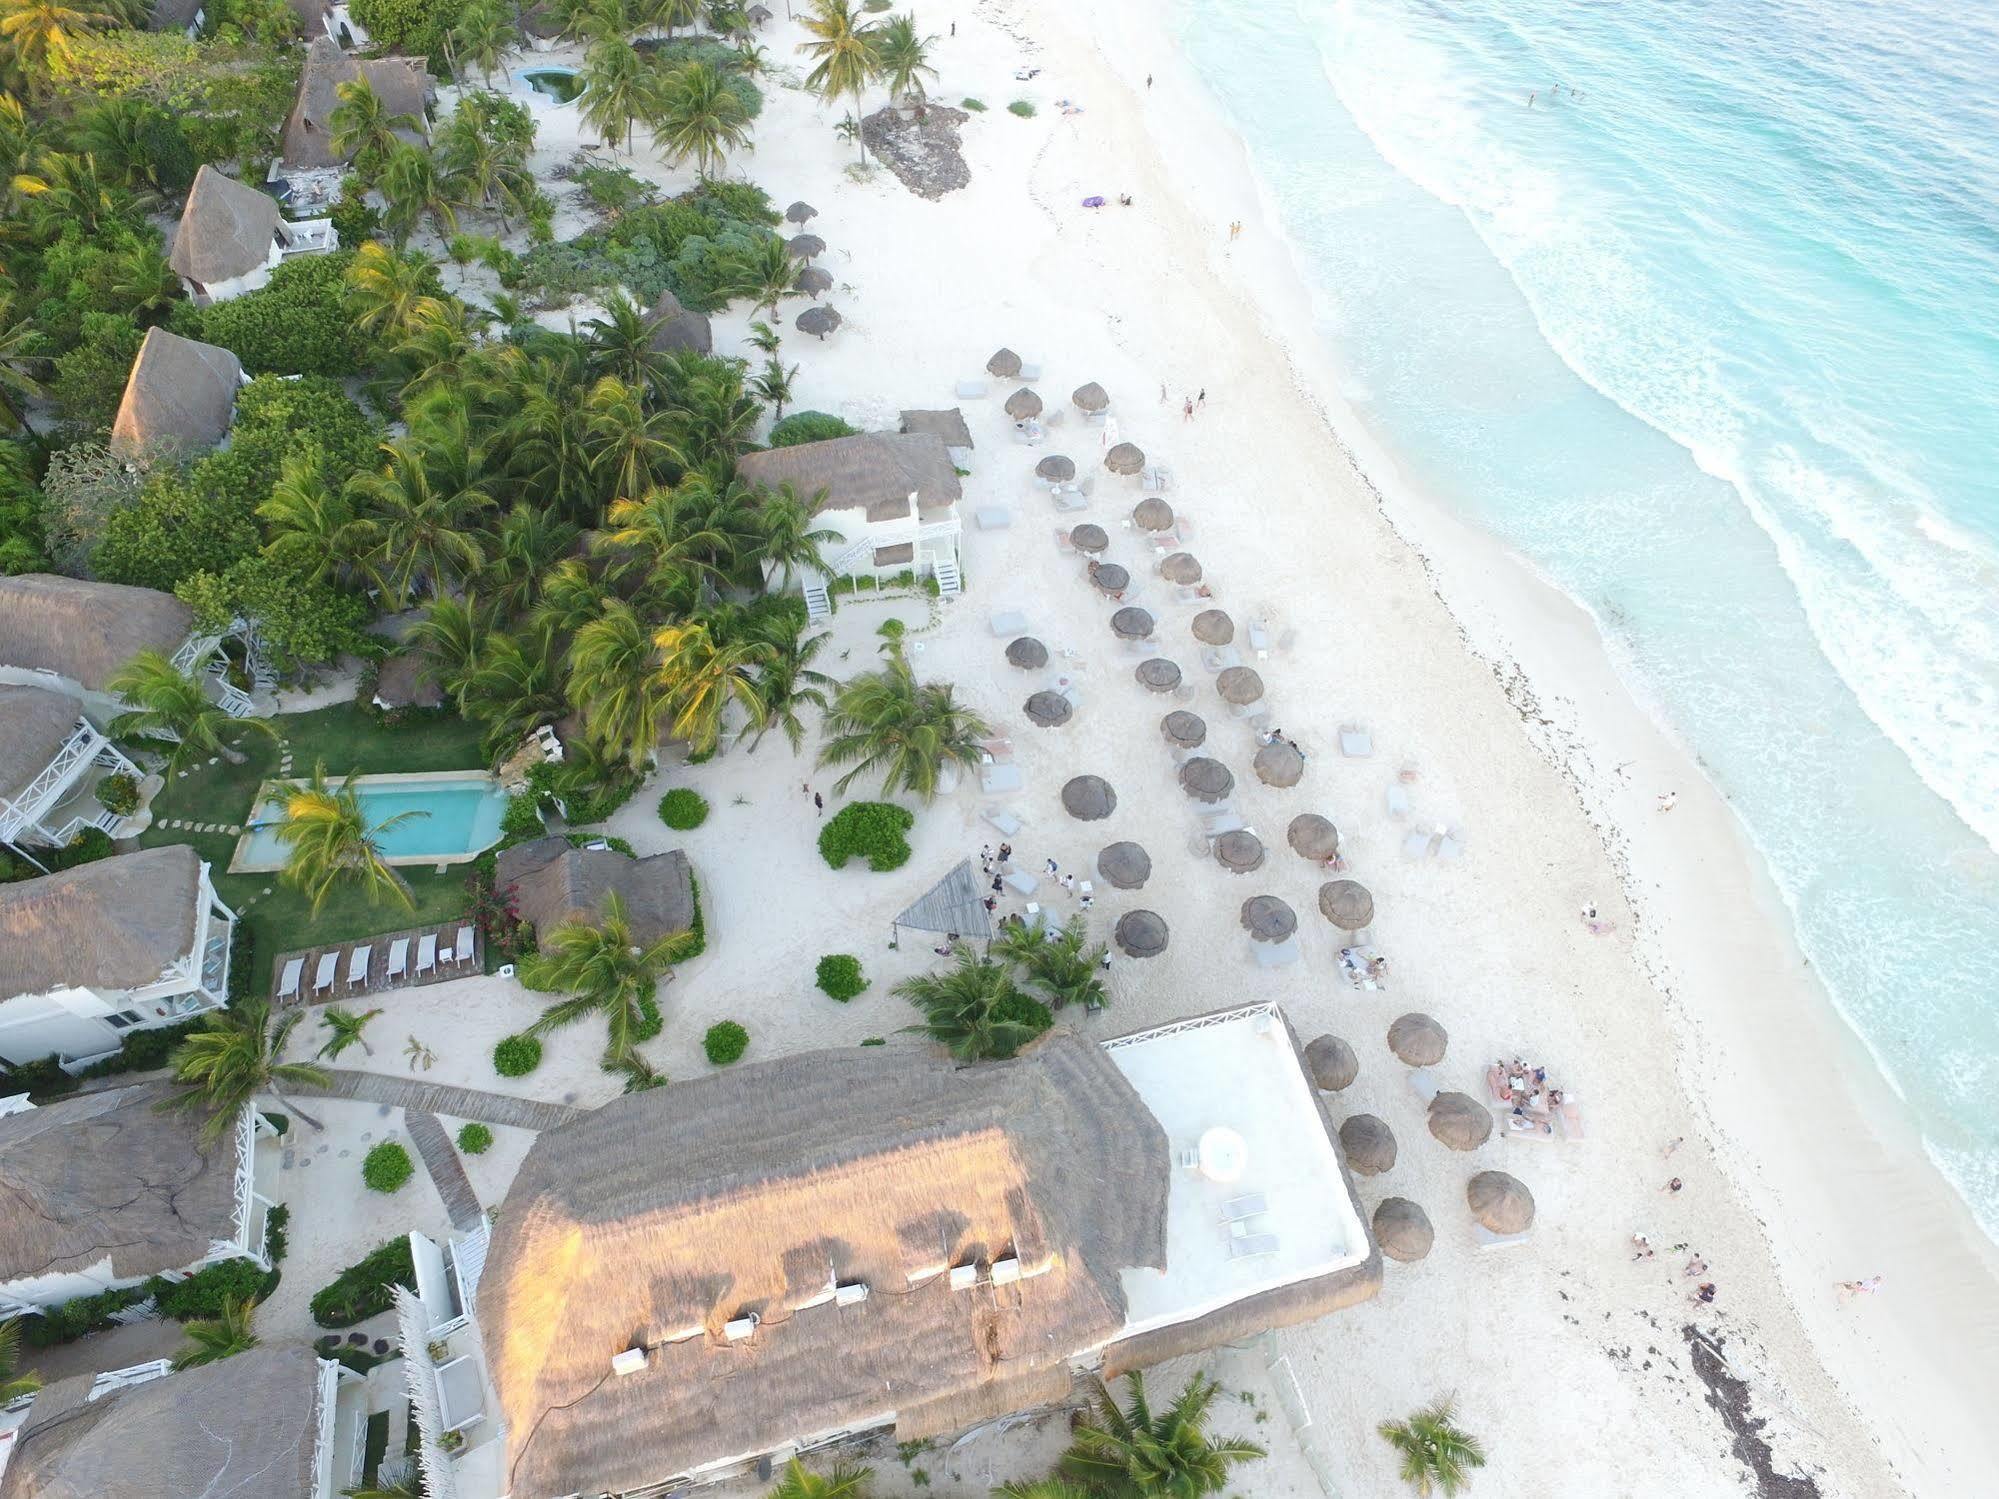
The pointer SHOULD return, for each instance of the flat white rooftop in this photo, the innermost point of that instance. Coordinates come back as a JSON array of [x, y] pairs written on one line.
[[1264, 1203]]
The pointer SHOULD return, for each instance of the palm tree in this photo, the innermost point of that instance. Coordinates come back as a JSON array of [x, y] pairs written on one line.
[[385, 288], [347, 1027], [1133, 1452], [13, 1386], [617, 85], [332, 841], [904, 58], [42, 33], [172, 705], [973, 1008], [787, 541], [844, 1482], [606, 971], [212, 1339], [701, 675], [844, 53], [886, 722], [700, 116], [787, 682], [615, 684], [773, 384], [233, 1057], [1436, 1455], [361, 127]]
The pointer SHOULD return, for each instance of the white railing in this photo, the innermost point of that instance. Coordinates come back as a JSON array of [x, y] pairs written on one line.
[[24, 810], [119, 1379], [1200, 1023]]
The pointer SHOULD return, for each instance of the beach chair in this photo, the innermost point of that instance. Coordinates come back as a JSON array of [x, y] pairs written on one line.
[[399, 960], [994, 779], [993, 517], [426, 954], [1398, 802], [1005, 819], [357, 965], [1021, 882], [466, 945], [970, 390], [1423, 1083], [288, 980], [1249, 1205], [1008, 623], [1355, 742], [1249, 1246], [1275, 954], [322, 976]]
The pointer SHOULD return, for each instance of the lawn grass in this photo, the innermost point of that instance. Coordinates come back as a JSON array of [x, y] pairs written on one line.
[[346, 739]]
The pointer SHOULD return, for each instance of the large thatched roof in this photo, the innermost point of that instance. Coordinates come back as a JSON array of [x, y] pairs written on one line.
[[179, 398], [106, 1175], [111, 925], [85, 631], [245, 1427], [402, 83], [34, 723], [662, 1216], [226, 230], [555, 883], [872, 471]]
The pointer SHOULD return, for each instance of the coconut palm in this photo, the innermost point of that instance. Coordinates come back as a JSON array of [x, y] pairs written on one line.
[[844, 53], [886, 723], [618, 85], [1437, 1456], [385, 288], [972, 1009], [173, 706], [42, 34], [362, 128], [13, 1386], [332, 842], [701, 675], [212, 1339], [614, 683], [787, 541], [844, 1482], [347, 1028], [1130, 1451], [699, 115], [903, 58], [787, 682], [231, 1058], [607, 972]]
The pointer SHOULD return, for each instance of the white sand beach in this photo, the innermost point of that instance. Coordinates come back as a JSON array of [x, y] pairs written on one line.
[[1692, 1019]]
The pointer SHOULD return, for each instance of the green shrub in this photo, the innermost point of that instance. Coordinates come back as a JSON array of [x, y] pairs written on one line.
[[841, 977], [873, 830], [725, 1042], [809, 426], [475, 1138], [682, 809], [362, 1289], [118, 794], [387, 1167], [976, 106], [1022, 108], [516, 1056]]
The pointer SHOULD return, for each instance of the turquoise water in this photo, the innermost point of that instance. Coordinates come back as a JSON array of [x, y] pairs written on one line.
[[1711, 334], [454, 818]]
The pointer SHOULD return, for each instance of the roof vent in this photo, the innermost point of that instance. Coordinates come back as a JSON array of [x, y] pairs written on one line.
[[1006, 1271], [741, 1327], [629, 1362], [851, 1295], [964, 1277]]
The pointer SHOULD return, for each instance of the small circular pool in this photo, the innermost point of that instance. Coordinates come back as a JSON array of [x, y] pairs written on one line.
[[563, 85]]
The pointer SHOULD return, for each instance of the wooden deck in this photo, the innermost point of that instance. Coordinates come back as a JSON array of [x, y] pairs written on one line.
[[377, 980]]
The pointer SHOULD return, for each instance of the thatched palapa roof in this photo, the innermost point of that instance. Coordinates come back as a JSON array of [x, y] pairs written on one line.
[[662, 1216], [555, 883], [402, 83], [947, 426], [873, 471], [112, 925], [226, 230], [34, 724], [85, 631], [179, 398]]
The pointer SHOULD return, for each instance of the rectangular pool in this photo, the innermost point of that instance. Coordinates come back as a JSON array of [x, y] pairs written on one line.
[[458, 816]]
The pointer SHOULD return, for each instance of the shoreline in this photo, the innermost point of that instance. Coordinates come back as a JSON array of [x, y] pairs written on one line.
[[1739, 1062]]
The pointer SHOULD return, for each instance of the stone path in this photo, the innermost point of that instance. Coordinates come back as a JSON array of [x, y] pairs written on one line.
[[442, 1098], [447, 1172]]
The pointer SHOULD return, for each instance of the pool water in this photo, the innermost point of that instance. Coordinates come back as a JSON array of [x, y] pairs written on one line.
[[457, 816], [560, 84]]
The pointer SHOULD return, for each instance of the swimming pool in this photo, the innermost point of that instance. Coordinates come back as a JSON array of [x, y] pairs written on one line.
[[564, 85], [458, 817]]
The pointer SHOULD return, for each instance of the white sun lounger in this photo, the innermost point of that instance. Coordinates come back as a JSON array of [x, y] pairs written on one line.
[[1004, 818], [1251, 1245], [1355, 742], [288, 981], [426, 953], [993, 517], [1276, 954], [357, 964], [1423, 1083], [399, 958], [1008, 622], [994, 779], [322, 976], [970, 390]]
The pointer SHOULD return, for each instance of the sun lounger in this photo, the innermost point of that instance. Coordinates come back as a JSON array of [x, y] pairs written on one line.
[[1423, 1083], [994, 779], [970, 390], [1251, 1245], [1416, 845], [993, 517], [357, 965], [1398, 802], [1276, 954], [322, 976], [399, 958], [1355, 742], [465, 946], [1485, 1238], [426, 953], [1005, 819], [288, 981], [1008, 622], [1249, 1205], [1020, 881]]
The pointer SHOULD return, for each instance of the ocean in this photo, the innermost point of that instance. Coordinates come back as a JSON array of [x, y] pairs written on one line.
[[1696, 306]]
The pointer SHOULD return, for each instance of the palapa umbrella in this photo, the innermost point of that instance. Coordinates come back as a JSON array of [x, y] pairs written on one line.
[[1125, 458], [1091, 397], [1131, 623], [1158, 675], [1368, 1144], [1206, 780], [1023, 404], [1088, 537], [1213, 627], [1239, 852], [1125, 865], [1181, 567], [1331, 1063], [1403, 1230], [1188, 730], [1239, 685], [1417, 1039], [1152, 514], [818, 321], [1268, 919], [800, 211], [1027, 653], [1110, 578], [1460, 1121], [812, 281], [1089, 798], [1049, 709], [1056, 469], [1501, 1203], [1004, 365], [1141, 934], [1313, 837], [1278, 763], [806, 246], [1346, 904]]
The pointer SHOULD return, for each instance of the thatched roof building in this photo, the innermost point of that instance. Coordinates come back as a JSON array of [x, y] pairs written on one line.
[[877, 472], [245, 1427], [402, 83], [85, 631], [35, 723], [179, 398], [554, 883], [913, 1241], [110, 926], [226, 230]]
